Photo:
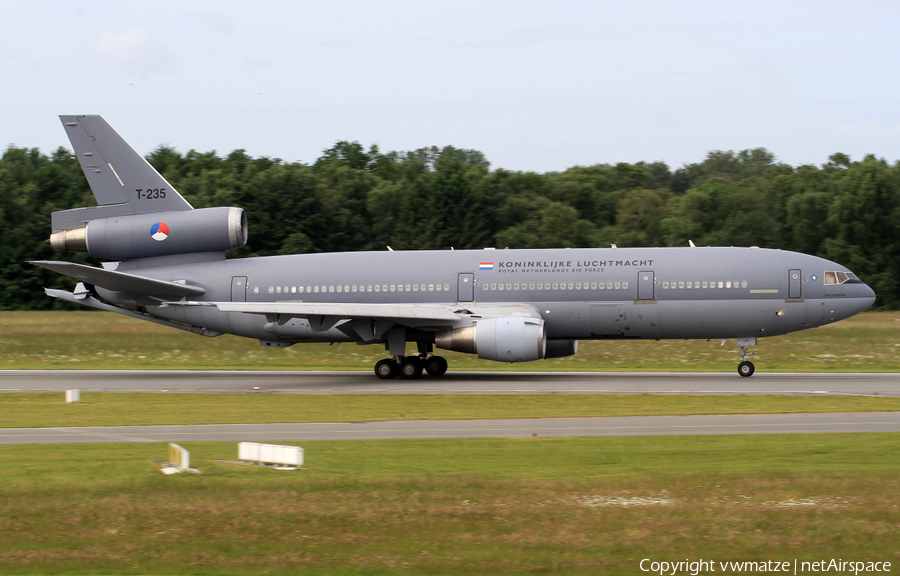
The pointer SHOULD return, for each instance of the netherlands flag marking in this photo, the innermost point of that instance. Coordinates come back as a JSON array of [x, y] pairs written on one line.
[[159, 231], [486, 266]]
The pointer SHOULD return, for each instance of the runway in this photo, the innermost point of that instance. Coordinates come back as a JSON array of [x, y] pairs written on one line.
[[517, 428], [237, 382]]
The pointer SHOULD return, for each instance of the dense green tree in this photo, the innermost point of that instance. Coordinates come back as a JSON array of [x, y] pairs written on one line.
[[358, 198]]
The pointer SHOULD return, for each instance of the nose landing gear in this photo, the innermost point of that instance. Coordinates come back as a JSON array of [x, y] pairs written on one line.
[[746, 368], [410, 367]]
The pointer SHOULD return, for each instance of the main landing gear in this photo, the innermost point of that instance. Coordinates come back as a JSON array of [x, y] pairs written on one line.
[[410, 367]]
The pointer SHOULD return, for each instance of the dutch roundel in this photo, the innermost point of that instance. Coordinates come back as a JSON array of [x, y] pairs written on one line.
[[159, 231]]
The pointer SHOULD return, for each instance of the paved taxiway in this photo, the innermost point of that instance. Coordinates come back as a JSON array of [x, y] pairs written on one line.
[[883, 384], [519, 428]]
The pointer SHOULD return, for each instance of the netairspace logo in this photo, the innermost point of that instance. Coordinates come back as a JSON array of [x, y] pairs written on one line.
[[695, 567]]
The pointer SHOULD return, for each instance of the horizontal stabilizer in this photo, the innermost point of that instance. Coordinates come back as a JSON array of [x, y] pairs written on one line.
[[121, 281], [431, 313]]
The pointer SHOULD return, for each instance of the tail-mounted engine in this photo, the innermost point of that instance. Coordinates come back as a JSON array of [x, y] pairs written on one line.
[[500, 339], [156, 234]]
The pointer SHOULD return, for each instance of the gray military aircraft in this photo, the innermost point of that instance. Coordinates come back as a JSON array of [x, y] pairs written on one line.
[[164, 262]]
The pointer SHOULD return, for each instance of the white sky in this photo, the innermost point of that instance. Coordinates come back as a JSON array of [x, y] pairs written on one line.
[[534, 85]]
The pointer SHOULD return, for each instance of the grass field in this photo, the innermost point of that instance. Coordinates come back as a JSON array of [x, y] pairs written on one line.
[[98, 340], [545, 506], [100, 409]]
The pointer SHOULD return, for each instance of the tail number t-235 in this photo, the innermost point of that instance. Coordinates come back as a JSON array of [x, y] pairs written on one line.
[[150, 193]]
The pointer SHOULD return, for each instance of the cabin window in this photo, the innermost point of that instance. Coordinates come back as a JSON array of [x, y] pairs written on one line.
[[437, 287], [271, 290], [690, 284], [354, 288], [408, 287], [431, 287], [508, 286], [728, 283], [666, 284], [446, 287], [681, 284], [393, 287], [721, 284], [486, 287], [705, 284], [562, 285], [593, 285], [256, 289], [618, 285], [624, 285], [377, 288], [340, 289], [743, 283]]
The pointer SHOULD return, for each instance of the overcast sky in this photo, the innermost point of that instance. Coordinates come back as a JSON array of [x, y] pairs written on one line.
[[534, 85]]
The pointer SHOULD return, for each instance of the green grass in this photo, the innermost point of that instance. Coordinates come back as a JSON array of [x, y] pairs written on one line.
[[115, 409], [530, 506], [97, 340]]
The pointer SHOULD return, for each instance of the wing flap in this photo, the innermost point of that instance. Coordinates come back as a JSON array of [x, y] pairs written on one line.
[[121, 281]]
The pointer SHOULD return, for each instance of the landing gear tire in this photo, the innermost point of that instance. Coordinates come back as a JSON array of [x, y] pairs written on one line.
[[411, 368], [746, 369], [386, 369], [436, 366]]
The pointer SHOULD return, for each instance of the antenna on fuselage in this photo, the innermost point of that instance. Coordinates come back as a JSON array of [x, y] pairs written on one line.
[[691, 242]]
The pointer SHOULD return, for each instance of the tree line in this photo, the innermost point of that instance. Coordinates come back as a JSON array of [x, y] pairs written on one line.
[[353, 198]]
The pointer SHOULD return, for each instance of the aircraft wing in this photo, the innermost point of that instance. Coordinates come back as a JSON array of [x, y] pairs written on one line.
[[430, 313], [120, 281]]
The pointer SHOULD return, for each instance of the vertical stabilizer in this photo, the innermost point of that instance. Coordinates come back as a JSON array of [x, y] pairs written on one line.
[[122, 181]]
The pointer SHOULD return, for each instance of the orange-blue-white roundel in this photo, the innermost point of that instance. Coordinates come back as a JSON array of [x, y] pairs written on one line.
[[159, 231]]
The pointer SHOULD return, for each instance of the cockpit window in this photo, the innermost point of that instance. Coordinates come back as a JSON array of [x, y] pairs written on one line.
[[834, 277]]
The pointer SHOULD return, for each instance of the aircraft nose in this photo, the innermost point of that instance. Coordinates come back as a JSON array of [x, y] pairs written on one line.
[[866, 297]]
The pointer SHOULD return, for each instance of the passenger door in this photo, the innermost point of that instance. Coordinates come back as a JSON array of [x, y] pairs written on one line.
[[239, 289], [645, 283], [465, 288], [795, 278]]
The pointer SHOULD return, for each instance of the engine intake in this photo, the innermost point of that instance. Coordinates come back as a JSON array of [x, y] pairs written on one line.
[[561, 348], [499, 339], [156, 234]]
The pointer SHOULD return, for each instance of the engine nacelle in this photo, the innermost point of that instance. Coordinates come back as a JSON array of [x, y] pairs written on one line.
[[157, 234], [500, 339], [561, 348]]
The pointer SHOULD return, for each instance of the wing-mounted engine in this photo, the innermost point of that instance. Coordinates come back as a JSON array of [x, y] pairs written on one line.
[[501, 339], [156, 234]]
